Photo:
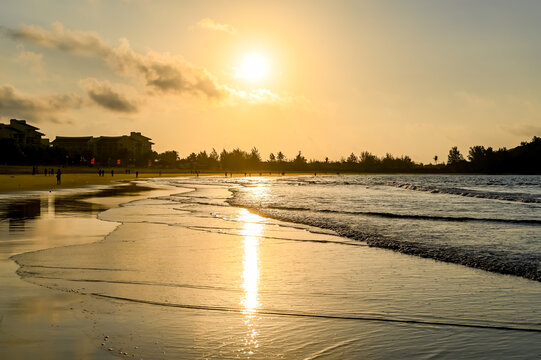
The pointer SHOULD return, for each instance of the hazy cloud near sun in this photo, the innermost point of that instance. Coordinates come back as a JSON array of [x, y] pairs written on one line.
[[35, 108], [103, 94], [161, 72], [208, 23]]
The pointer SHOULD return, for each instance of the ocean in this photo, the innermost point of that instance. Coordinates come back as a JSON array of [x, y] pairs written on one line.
[[353, 266]]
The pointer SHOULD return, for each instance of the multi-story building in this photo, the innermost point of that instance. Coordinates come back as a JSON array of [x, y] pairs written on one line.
[[108, 150], [21, 133]]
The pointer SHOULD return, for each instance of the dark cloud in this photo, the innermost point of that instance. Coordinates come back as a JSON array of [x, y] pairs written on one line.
[[36, 108], [162, 72], [105, 96]]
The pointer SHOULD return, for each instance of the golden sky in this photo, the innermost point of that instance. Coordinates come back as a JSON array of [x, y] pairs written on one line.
[[325, 77]]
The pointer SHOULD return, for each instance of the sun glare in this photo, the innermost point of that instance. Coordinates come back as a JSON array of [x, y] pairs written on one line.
[[253, 68]]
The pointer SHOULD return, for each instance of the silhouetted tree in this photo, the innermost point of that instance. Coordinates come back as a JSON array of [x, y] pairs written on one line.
[[454, 156], [352, 159], [168, 158]]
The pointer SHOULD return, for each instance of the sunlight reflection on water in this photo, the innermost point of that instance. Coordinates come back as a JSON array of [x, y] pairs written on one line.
[[251, 231]]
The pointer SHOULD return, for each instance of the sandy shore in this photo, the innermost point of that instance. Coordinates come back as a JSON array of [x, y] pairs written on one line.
[[24, 182], [28, 182]]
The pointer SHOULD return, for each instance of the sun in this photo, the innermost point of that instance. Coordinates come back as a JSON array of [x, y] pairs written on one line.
[[254, 67]]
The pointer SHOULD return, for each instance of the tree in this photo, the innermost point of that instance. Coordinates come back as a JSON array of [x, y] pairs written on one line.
[[299, 159], [254, 159], [352, 159], [214, 155], [168, 158], [454, 156], [281, 157], [272, 158], [436, 159]]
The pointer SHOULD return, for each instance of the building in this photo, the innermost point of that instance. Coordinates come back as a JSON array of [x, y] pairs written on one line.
[[133, 149], [73, 145], [21, 133]]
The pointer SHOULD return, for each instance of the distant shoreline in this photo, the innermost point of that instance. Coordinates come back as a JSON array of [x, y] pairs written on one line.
[[20, 178]]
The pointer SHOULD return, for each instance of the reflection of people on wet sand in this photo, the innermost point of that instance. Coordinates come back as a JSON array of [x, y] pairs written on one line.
[[58, 176]]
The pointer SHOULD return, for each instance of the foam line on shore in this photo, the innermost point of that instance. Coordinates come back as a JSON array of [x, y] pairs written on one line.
[[322, 316]]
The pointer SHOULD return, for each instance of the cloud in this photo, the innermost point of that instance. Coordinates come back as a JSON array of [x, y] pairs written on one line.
[[36, 108], [208, 23], [161, 72], [103, 94], [31, 60]]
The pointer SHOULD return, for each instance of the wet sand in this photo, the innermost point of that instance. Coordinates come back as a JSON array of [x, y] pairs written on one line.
[[188, 276], [39, 322]]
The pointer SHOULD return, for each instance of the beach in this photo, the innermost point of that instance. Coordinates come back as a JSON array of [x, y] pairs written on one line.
[[28, 182], [177, 268]]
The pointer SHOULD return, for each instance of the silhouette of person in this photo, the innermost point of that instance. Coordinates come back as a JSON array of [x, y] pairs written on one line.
[[112, 173], [58, 176], [137, 174]]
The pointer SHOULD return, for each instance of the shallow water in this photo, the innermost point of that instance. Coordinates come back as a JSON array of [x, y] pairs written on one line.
[[188, 275], [487, 222]]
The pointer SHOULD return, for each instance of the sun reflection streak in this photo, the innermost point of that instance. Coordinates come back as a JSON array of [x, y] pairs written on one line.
[[252, 231]]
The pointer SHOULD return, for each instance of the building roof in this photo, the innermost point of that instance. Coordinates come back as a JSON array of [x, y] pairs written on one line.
[[23, 123], [73, 138]]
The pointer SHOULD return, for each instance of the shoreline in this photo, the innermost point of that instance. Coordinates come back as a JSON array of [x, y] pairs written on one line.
[[27, 182]]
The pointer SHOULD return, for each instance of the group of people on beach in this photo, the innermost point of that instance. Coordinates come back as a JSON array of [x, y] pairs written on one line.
[[49, 172], [101, 172]]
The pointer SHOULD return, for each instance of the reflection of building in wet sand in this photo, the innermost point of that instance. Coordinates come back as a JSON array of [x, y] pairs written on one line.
[[18, 212], [108, 150]]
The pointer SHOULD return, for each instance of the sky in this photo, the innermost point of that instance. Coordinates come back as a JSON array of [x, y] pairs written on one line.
[[327, 78]]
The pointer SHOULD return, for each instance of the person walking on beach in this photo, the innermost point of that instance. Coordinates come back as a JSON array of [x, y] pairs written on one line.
[[58, 176]]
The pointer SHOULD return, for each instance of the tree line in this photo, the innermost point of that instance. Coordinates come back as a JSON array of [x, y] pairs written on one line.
[[523, 159]]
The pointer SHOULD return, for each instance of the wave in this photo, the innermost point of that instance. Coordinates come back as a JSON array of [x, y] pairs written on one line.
[[505, 196], [404, 216], [481, 257]]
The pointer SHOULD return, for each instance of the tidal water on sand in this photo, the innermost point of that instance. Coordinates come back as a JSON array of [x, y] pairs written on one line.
[[301, 267]]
